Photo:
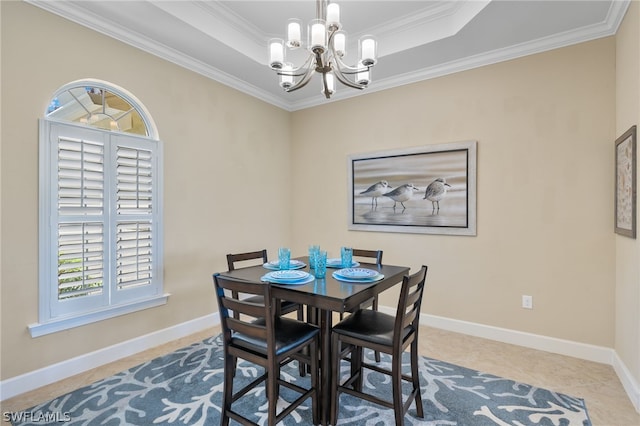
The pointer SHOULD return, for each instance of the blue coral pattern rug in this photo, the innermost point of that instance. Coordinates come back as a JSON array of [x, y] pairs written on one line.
[[185, 388]]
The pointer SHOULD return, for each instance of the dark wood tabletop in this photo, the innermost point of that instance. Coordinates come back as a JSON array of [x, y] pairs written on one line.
[[327, 293]]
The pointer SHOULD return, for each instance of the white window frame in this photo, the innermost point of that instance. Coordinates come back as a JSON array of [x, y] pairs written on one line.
[[56, 315]]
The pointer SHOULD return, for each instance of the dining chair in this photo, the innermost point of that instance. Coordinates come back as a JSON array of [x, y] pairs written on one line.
[[285, 307], [385, 333], [266, 340]]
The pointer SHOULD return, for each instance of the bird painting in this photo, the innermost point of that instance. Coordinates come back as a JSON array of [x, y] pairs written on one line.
[[401, 194], [376, 190], [436, 192]]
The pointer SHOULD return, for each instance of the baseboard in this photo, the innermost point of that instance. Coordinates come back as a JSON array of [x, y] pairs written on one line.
[[534, 341], [53, 373], [630, 384]]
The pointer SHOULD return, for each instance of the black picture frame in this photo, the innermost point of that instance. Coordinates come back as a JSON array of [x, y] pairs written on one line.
[[625, 186]]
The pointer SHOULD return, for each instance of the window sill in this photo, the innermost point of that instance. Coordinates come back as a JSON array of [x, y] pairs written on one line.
[[41, 329]]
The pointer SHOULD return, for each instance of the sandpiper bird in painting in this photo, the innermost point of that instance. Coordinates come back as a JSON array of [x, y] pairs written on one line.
[[401, 194], [376, 190], [436, 192]]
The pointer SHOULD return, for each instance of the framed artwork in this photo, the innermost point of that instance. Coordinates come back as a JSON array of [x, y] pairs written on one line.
[[426, 190], [625, 192]]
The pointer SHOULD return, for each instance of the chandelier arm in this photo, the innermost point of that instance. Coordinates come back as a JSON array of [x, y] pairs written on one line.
[[295, 72], [344, 80], [303, 81], [349, 69]]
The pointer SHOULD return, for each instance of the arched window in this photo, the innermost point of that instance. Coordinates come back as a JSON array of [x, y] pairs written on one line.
[[100, 207], [101, 105]]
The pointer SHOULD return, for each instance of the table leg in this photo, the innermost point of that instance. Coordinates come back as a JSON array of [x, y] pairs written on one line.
[[325, 362]]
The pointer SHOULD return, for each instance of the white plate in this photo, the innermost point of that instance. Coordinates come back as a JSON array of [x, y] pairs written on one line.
[[288, 275], [336, 262], [293, 264], [297, 281], [357, 273], [361, 281]]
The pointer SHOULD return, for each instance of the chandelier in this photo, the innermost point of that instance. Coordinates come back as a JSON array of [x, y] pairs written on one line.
[[326, 43]]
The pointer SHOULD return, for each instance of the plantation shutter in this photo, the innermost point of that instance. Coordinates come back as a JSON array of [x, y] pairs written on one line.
[[80, 194], [78, 231], [134, 199]]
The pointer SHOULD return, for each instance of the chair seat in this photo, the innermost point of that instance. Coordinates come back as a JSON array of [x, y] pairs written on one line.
[[370, 326], [289, 333]]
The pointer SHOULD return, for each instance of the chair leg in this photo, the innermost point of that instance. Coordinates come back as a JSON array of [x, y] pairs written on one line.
[[302, 367], [396, 379], [416, 378], [312, 318], [315, 406], [229, 373], [335, 382], [374, 306], [356, 366], [272, 390]]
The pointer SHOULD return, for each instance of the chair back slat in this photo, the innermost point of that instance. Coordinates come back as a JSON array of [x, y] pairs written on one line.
[[373, 254], [413, 297], [258, 331], [242, 286], [409, 317], [234, 258], [240, 306], [408, 312]]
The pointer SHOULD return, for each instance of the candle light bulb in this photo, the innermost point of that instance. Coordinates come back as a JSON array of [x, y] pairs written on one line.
[[276, 53], [317, 35], [368, 50], [333, 16], [294, 33], [339, 43]]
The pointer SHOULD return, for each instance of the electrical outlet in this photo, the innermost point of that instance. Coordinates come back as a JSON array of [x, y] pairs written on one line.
[[527, 302]]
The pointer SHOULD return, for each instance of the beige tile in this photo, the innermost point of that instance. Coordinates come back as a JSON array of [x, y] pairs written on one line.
[[597, 384]]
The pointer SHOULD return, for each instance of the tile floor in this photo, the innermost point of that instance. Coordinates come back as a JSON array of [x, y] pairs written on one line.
[[606, 400]]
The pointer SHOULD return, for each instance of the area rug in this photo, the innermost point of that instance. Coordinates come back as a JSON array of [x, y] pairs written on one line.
[[185, 388]]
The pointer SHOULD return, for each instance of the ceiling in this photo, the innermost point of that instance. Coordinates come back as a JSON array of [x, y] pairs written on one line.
[[417, 39]]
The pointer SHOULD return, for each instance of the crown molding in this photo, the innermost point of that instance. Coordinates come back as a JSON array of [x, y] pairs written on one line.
[[66, 10]]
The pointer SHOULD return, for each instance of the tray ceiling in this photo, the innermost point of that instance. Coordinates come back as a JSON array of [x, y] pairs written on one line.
[[417, 40]]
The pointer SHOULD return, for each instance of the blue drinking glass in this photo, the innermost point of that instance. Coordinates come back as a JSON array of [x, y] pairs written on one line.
[[346, 257], [313, 251], [320, 270], [284, 257]]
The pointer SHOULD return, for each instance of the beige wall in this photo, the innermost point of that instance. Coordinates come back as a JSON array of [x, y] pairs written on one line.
[[220, 147], [627, 330], [544, 126]]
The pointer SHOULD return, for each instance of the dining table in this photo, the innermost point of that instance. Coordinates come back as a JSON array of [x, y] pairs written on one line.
[[324, 296]]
